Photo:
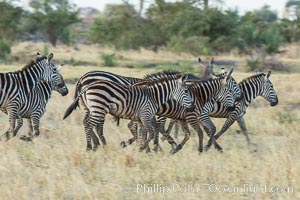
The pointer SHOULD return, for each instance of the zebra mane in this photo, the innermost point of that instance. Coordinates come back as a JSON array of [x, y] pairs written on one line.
[[252, 77], [163, 74], [159, 77], [32, 62], [169, 73]]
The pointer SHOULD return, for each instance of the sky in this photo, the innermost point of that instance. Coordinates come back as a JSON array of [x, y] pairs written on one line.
[[242, 5]]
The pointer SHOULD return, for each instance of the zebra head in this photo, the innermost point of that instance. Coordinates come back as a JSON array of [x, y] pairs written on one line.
[[268, 91], [61, 87], [181, 93], [225, 94], [232, 84], [49, 72]]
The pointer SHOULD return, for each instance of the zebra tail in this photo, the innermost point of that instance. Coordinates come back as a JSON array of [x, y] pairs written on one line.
[[77, 91], [72, 107]]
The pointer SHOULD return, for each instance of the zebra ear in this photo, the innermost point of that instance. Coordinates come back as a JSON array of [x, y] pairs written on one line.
[[257, 71], [50, 57], [222, 70], [60, 67], [230, 71], [268, 75], [38, 55], [212, 61], [184, 78]]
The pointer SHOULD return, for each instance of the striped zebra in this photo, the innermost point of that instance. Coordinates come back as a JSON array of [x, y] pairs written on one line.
[[93, 76], [89, 77], [209, 127], [202, 92], [139, 102], [35, 106], [257, 85], [15, 86]]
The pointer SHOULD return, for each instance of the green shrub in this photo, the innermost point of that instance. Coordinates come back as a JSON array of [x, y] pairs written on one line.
[[194, 45], [108, 59], [5, 48], [46, 50], [254, 63]]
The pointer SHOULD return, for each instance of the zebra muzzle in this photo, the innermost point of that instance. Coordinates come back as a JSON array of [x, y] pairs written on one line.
[[231, 108], [191, 108]]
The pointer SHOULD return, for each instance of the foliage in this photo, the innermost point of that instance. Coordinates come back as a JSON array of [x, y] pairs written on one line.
[[194, 45], [53, 18], [9, 20], [253, 64], [5, 48], [108, 59]]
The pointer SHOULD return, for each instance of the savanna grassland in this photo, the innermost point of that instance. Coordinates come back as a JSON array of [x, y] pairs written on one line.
[[56, 165]]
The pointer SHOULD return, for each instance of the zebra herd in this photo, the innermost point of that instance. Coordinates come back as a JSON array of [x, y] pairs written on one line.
[[147, 102]]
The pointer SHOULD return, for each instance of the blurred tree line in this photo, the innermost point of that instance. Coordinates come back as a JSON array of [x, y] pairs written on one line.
[[192, 26]]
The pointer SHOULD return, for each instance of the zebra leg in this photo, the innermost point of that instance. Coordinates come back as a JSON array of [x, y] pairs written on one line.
[[12, 115], [230, 120], [133, 127], [176, 130], [19, 125], [30, 128], [156, 134], [88, 130], [193, 121], [170, 140], [95, 139], [147, 123], [30, 131], [99, 128], [187, 136], [162, 127], [210, 129], [98, 124], [242, 125], [36, 125]]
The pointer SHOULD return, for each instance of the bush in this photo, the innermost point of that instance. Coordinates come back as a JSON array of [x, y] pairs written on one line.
[[194, 45], [5, 48], [254, 63], [108, 59]]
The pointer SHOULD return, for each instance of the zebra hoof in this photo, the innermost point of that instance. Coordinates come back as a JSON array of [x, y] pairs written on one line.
[[26, 138], [173, 151], [163, 139], [220, 150], [123, 144], [206, 148]]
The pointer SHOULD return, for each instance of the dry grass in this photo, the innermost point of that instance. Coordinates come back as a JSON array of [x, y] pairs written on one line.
[[56, 166]]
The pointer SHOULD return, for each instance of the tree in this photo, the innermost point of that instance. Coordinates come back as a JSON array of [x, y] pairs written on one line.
[[121, 25], [258, 38], [9, 20], [53, 18], [293, 6]]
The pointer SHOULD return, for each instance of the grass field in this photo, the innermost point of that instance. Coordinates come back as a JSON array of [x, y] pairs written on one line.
[[56, 165]]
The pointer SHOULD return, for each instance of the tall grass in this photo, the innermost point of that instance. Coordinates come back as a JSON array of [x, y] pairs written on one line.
[[56, 166]]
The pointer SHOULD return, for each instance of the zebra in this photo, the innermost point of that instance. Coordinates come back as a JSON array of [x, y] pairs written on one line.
[[138, 102], [15, 86], [209, 127], [201, 93], [35, 106], [253, 86]]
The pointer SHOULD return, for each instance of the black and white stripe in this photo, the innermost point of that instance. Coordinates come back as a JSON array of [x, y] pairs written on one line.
[[35, 106], [139, 102], [257, 85], [15, 86], [201, 92]]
